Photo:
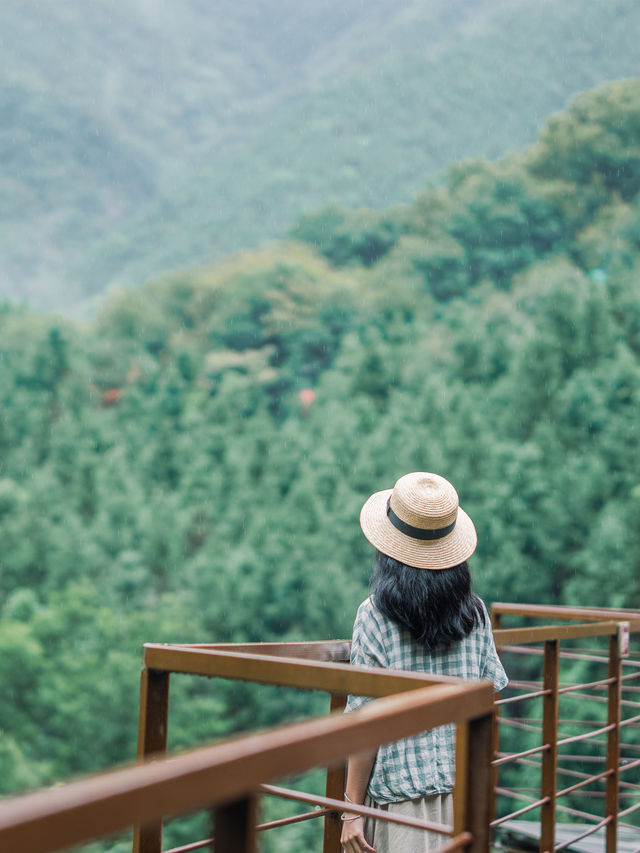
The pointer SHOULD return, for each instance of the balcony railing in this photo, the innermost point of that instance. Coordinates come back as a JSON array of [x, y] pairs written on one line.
[[581, 722], [227, 779]]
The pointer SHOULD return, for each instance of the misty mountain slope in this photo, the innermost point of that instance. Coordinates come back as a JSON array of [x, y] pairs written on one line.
[[147, 91], [166, 74], [211, 129], [376, 135], [65, 175]]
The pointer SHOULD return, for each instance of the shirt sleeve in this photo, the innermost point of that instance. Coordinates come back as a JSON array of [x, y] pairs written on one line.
[[492, 668], [367, 647]]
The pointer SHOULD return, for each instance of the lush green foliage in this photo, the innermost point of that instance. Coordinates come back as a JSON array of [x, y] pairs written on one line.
[[155, 141], [162, 479]]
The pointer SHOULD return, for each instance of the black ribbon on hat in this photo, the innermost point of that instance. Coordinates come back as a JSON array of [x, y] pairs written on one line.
[[417, 532]]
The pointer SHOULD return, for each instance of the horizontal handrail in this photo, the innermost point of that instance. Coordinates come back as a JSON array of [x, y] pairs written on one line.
[[262, 827], [577, 813], [337, 651], [297, 818], [571, 688], [577, 774], [522, 696], [604, 775], [519, 812], [600, 795], [536, 722], [541, 633], [625, 703], [98, 806], [631, 809], [355, 808], [631, 765], [506, 792], [515, 756], [586, 735], [589, 831], [630, 721], [525, 650], [555, 611], [288, 672]]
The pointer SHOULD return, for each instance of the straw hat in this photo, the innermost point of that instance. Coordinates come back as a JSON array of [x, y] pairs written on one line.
[[419, 522]]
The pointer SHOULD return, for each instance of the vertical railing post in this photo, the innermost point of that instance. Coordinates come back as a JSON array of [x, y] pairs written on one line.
[[478, 796], [549, 737], [613, 739], [152, 739], [461, 787], [234, 826], [336, 783], [496, 624]]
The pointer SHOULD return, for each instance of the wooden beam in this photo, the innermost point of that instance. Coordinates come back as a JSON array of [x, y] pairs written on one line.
[[613, 744], [479, 790], [289, 672], [234, 826], [91, 808], [542, 633], [335, 787], [579, 614], [328, 650], [152, 740], [551, 675]]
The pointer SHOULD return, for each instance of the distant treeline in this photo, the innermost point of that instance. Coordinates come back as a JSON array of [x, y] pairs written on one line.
[[190, 466]]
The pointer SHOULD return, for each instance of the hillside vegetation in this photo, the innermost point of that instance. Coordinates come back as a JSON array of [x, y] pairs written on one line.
[[163, 479], [146, 136]]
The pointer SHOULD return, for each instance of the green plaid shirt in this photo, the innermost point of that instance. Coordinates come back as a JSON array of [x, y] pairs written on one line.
[[425, 763]]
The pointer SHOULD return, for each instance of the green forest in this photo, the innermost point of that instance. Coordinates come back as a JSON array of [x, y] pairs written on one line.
[[190, 465]]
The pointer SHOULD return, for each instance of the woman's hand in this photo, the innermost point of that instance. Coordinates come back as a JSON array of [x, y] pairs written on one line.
[[358, 773], [352, 838]]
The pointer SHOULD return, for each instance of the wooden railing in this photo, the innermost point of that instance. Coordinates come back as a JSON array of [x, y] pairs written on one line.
[[314, 666], [227, 778], [614, 627]]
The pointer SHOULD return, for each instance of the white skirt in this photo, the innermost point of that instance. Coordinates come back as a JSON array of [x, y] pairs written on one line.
[[392, 838]]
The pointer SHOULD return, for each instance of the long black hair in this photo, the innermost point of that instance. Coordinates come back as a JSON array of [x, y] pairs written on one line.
[[436, 607]]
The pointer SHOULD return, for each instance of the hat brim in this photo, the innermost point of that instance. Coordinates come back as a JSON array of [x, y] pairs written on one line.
[[444, 553]]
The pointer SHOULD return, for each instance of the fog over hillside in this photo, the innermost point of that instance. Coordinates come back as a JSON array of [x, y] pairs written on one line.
[[136, 137]]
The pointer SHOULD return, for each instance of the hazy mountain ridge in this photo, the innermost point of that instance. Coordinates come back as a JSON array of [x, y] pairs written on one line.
[[158, 85], [227, 126], [377, 135]]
